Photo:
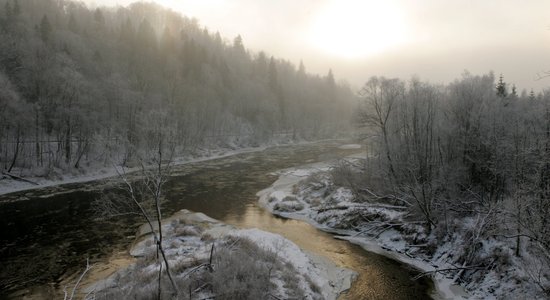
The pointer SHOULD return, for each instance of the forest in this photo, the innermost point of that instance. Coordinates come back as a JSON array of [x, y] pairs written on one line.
[[96, 86], [460, 171], [470, 161]]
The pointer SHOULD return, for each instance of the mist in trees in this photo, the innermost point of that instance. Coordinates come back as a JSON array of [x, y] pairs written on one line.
[[80, 85]]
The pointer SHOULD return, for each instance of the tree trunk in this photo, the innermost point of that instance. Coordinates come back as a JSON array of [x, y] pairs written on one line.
[[68, 143], [36, 128], [81, 151], [16, 153]]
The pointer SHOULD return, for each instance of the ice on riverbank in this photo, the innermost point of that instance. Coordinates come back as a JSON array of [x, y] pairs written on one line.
[[386, 229], [295, 195], [252, 262], [37, 179], [350, 146], [99, 171]]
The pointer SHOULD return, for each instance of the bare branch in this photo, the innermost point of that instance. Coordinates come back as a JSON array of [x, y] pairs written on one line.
[[71, 297], [478, 267]]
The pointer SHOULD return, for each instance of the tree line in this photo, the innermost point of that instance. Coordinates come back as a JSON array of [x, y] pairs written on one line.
[[98, 85]]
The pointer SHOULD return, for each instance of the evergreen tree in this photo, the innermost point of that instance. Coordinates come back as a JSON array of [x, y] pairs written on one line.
[[514, 92], [167, 44], [238, 44], [146, 34], [218, 40], [127, 32], [8, 10], [97, 56], [261, 65], [330, 79], [501, 88], [301, 69], [16, 8], [272, 73], [73, 25], [45, 29], [98, 17], [532, 95]]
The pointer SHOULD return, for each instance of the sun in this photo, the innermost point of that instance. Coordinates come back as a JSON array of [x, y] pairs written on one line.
[[357, 28]]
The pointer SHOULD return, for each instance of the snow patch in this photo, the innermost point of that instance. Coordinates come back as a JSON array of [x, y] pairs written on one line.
[[330, 213], [321, 271], [350, 147], [185, 245]]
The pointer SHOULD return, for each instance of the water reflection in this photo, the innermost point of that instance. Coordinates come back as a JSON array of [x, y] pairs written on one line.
[[43, 239], [379, 277]]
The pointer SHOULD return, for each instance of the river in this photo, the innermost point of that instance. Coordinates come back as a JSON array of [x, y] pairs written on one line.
[[47, 234]]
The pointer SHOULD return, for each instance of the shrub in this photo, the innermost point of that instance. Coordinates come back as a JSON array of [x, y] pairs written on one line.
[[288, 206], [240, 270]]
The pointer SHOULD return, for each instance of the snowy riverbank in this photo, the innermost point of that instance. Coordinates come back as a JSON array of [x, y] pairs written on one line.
[[295, 195], [309, 193], [100, 171], [58, 177], [250, 261]]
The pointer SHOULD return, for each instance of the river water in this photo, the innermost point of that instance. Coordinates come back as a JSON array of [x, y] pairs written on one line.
[[47, 234]]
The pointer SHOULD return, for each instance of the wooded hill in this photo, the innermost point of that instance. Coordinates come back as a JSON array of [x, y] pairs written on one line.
[[101, 85]]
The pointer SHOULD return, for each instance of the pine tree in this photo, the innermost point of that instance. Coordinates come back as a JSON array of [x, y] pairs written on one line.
[[127, 32], [167, 44], [330, 79], [146, 34], [218, 40], [301, 69], [8, 10], [501, 88], [98, 17], [514, 93], [532, 95], [16, 8], [238, 44], [73, 25], [45, 29], [272, 73]]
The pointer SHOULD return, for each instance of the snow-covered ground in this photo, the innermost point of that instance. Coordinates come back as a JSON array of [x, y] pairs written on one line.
[[350, 146], [9, 185], [189, 239], [99, 171], [307, 193]]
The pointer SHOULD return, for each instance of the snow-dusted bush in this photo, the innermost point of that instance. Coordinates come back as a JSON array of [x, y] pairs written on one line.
[[242, 270], [289, 204], [348, 175], [235, 268]]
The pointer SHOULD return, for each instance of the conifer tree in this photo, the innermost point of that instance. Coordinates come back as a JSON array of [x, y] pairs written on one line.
[[16, 8], [73, 25], [45, 29], [501, 88], [8, 10], [301, 69]]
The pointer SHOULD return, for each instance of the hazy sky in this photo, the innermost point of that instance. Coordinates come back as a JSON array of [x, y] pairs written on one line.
[[434, 39]]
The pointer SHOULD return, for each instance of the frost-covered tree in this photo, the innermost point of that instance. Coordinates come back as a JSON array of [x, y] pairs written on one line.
[[90, 77], [463, 153]]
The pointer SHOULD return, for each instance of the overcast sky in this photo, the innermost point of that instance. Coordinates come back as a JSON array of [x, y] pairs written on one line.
[[434, 39]]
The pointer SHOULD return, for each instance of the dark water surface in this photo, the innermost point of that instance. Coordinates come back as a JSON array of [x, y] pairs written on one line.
[[48, 233]]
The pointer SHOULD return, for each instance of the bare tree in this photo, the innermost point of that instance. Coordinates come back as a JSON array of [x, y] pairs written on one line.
[[381, 95], [143, 196]]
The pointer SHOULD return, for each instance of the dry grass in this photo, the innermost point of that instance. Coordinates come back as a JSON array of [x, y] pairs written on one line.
[[240, 269]]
